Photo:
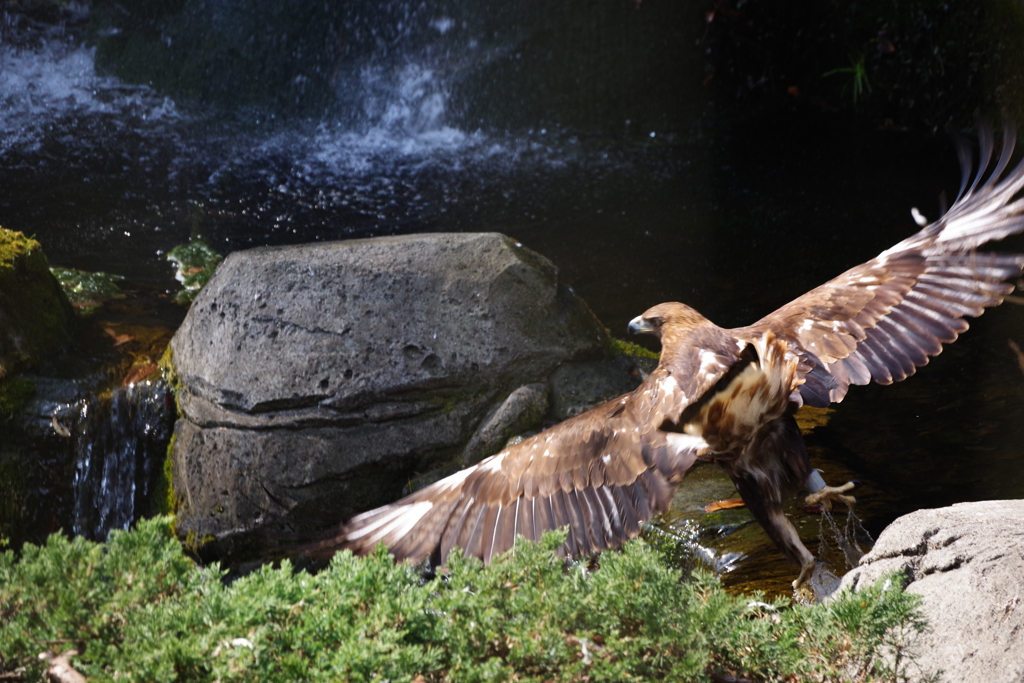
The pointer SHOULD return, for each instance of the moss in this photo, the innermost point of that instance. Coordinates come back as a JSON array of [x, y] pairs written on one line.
[[35, 309], [14, 394], [13, 484], [170, 375], [193, 541], [165, 501], [532, 418], [164, 496], [620, 347], [14, 247], [447, 402]]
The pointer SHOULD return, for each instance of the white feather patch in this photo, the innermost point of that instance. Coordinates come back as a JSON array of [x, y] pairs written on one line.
[[451, 481], [680, 443], [401, 517], [669, 384], [493, 463], [707, 359]]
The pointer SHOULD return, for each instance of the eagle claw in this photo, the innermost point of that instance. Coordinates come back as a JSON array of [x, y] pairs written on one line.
[[825, 496], [806, 572]]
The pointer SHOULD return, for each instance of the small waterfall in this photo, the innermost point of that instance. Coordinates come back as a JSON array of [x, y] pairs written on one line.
[[119, 441]]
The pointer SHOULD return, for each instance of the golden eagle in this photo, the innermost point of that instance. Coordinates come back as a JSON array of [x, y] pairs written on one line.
[[725, 395]]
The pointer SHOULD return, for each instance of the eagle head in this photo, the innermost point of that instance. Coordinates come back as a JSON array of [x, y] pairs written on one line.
[[668, 316]]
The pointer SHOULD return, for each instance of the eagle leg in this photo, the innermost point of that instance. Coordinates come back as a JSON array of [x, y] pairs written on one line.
[[764, 502], [780, 457], [806, 571]]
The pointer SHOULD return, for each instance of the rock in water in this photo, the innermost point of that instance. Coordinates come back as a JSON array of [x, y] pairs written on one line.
[[315, 380], [966, 561]]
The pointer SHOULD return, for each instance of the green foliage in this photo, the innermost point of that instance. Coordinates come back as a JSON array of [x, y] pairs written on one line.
[[195, 263], [858, 85], [15, 248], [137, 609], [88, 291], [15, 392]]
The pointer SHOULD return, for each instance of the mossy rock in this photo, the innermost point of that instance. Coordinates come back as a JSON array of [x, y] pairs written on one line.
[[34, 311]]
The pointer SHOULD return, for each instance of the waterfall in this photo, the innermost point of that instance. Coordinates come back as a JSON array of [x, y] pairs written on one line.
[[119, 444]]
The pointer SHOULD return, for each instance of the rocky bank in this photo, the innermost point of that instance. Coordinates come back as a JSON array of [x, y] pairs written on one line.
[[967, 563]]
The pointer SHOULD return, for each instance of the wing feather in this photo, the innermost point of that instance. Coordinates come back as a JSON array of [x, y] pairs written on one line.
[[928, 335], [613, 529], [560, 515], [577, 522], [543, 516], [627, 512], [883, 319], [906, 340], [603, 474], [488, 530], [457, 534], [600, 524]]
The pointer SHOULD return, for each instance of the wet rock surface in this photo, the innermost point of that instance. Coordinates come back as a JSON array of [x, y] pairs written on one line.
[[523, 410], [316, 380], [578, 387], [967, 563]]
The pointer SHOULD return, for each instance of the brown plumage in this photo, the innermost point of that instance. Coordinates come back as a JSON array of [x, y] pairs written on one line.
[[724, 395]]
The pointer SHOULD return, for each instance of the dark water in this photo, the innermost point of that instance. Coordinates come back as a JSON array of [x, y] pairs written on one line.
[[735, 221]]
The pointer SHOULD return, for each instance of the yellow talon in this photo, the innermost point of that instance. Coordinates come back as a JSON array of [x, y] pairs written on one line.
[[825, 496], [805, 574]]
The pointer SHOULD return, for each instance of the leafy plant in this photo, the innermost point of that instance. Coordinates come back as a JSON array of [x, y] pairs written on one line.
[[194, 264], [859, 85], [88, 291], [136, 608]]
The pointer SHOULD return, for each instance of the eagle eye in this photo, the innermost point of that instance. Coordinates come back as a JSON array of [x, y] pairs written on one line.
[[656, 322]]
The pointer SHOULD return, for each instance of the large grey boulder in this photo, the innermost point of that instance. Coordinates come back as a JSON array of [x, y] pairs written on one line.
[[314, 381], [967, 563]]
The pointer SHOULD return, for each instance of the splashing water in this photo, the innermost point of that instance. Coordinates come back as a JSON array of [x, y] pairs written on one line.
[[838, 548], [679, 542], [52, 83], [846, 539]]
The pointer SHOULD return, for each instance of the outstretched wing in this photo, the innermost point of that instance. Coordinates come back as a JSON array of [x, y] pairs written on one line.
[[883, 319], [602, 474]]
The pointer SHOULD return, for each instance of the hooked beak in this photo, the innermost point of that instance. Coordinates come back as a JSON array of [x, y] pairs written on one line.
[[638, 326]]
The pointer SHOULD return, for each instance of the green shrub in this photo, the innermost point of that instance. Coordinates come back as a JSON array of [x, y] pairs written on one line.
[[136, 608]]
